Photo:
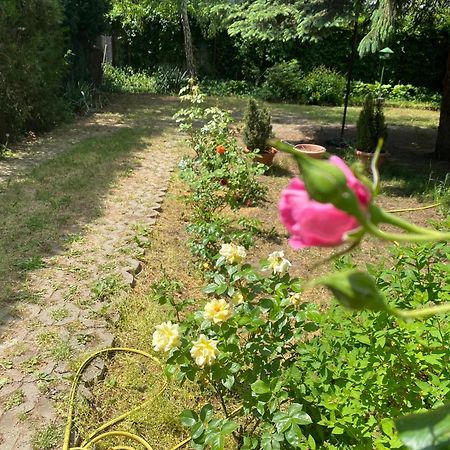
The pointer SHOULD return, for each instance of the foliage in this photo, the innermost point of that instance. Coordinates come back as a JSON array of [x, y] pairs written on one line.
[[286, 82], [350, 374], [85, 22], [254, 370], [406, 92], [370, 127], [258, 127], [226, 88], [282, 82], [121, 80], [220, 175], [31, 65], [323, 86], [169, 80], [82, 97], [165, 80]]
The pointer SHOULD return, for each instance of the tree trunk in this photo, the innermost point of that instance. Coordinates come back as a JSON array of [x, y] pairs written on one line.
[[442, 149], [187, 39], [350, 73]]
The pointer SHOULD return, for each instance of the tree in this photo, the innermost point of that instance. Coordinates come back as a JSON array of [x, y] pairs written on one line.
[[384, 20], [85, 22], [132, 13]]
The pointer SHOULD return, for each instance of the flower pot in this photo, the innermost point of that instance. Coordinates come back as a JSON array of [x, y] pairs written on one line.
[[265, 157], [312, 150], [366, 158]]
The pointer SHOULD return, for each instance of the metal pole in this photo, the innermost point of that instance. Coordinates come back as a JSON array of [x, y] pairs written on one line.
[[350, 73]]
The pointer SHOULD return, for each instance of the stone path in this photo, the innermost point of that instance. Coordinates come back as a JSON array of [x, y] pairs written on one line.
[[74, 306]]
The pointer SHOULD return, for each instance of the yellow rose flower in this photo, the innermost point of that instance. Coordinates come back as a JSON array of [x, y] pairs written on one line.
[[233, 253], [278, 263], [204, 351], [295, 299], [166, 336], [217, 311], [237, 298]]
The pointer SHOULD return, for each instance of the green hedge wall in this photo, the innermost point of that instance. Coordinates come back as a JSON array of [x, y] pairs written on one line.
[[31, 65]]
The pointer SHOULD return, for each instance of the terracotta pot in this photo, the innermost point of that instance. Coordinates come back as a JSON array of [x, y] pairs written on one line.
[[265, 157], [312, 150], [366, 158]]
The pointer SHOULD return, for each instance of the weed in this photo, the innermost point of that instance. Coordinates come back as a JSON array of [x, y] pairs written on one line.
[[15, 399], [30, 365], [71, 292], [47, 438], [4, 381], [107, 287], [32, 263], [61, 350], [6, 364], [60, 314], [47, 338]]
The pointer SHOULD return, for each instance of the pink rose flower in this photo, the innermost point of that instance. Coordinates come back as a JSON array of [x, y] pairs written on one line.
[[314, 224]]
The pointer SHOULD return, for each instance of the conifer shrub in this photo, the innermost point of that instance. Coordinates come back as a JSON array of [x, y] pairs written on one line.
[[371, 125], [258, 126]]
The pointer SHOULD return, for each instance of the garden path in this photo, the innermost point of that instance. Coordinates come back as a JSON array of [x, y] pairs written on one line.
[[73, 313]]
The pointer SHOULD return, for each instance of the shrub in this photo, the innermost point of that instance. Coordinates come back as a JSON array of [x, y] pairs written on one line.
[[371, 125], [169, 80], [258, 127], [396, 93], [31, 65], [323, 86], [227, 88], [125, 79], [82, 97], [282, 82]]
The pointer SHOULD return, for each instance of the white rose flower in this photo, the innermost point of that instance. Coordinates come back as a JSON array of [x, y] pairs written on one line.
[[217, 311], [233, 253], [278, 263]]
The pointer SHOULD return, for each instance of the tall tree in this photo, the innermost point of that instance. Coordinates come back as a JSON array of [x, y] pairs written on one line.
[[133, 13]]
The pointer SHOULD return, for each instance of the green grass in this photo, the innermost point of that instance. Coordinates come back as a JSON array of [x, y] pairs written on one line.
[[331, 115]]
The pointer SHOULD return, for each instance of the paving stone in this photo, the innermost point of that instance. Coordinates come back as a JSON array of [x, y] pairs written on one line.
[[95, 372], [134, 266], [128, 278]]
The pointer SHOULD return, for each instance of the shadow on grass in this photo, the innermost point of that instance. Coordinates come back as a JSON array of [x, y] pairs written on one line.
[[42, 214], [279, 171]]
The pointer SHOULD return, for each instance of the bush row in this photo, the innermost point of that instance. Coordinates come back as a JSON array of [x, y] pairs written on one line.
[[283, 82], [31, 65]]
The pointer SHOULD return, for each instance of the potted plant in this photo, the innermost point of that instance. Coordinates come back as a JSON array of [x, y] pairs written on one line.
[[370, 128], [257, 130]]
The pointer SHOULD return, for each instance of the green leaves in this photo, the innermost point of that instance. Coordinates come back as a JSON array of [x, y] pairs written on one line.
[[260, 387], [426, 431], [207, 431]]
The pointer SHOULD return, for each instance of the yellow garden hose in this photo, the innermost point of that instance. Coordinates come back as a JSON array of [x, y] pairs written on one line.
[[97, 435]]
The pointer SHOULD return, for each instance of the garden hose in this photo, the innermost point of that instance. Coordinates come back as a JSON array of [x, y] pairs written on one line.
[[97, 435]]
